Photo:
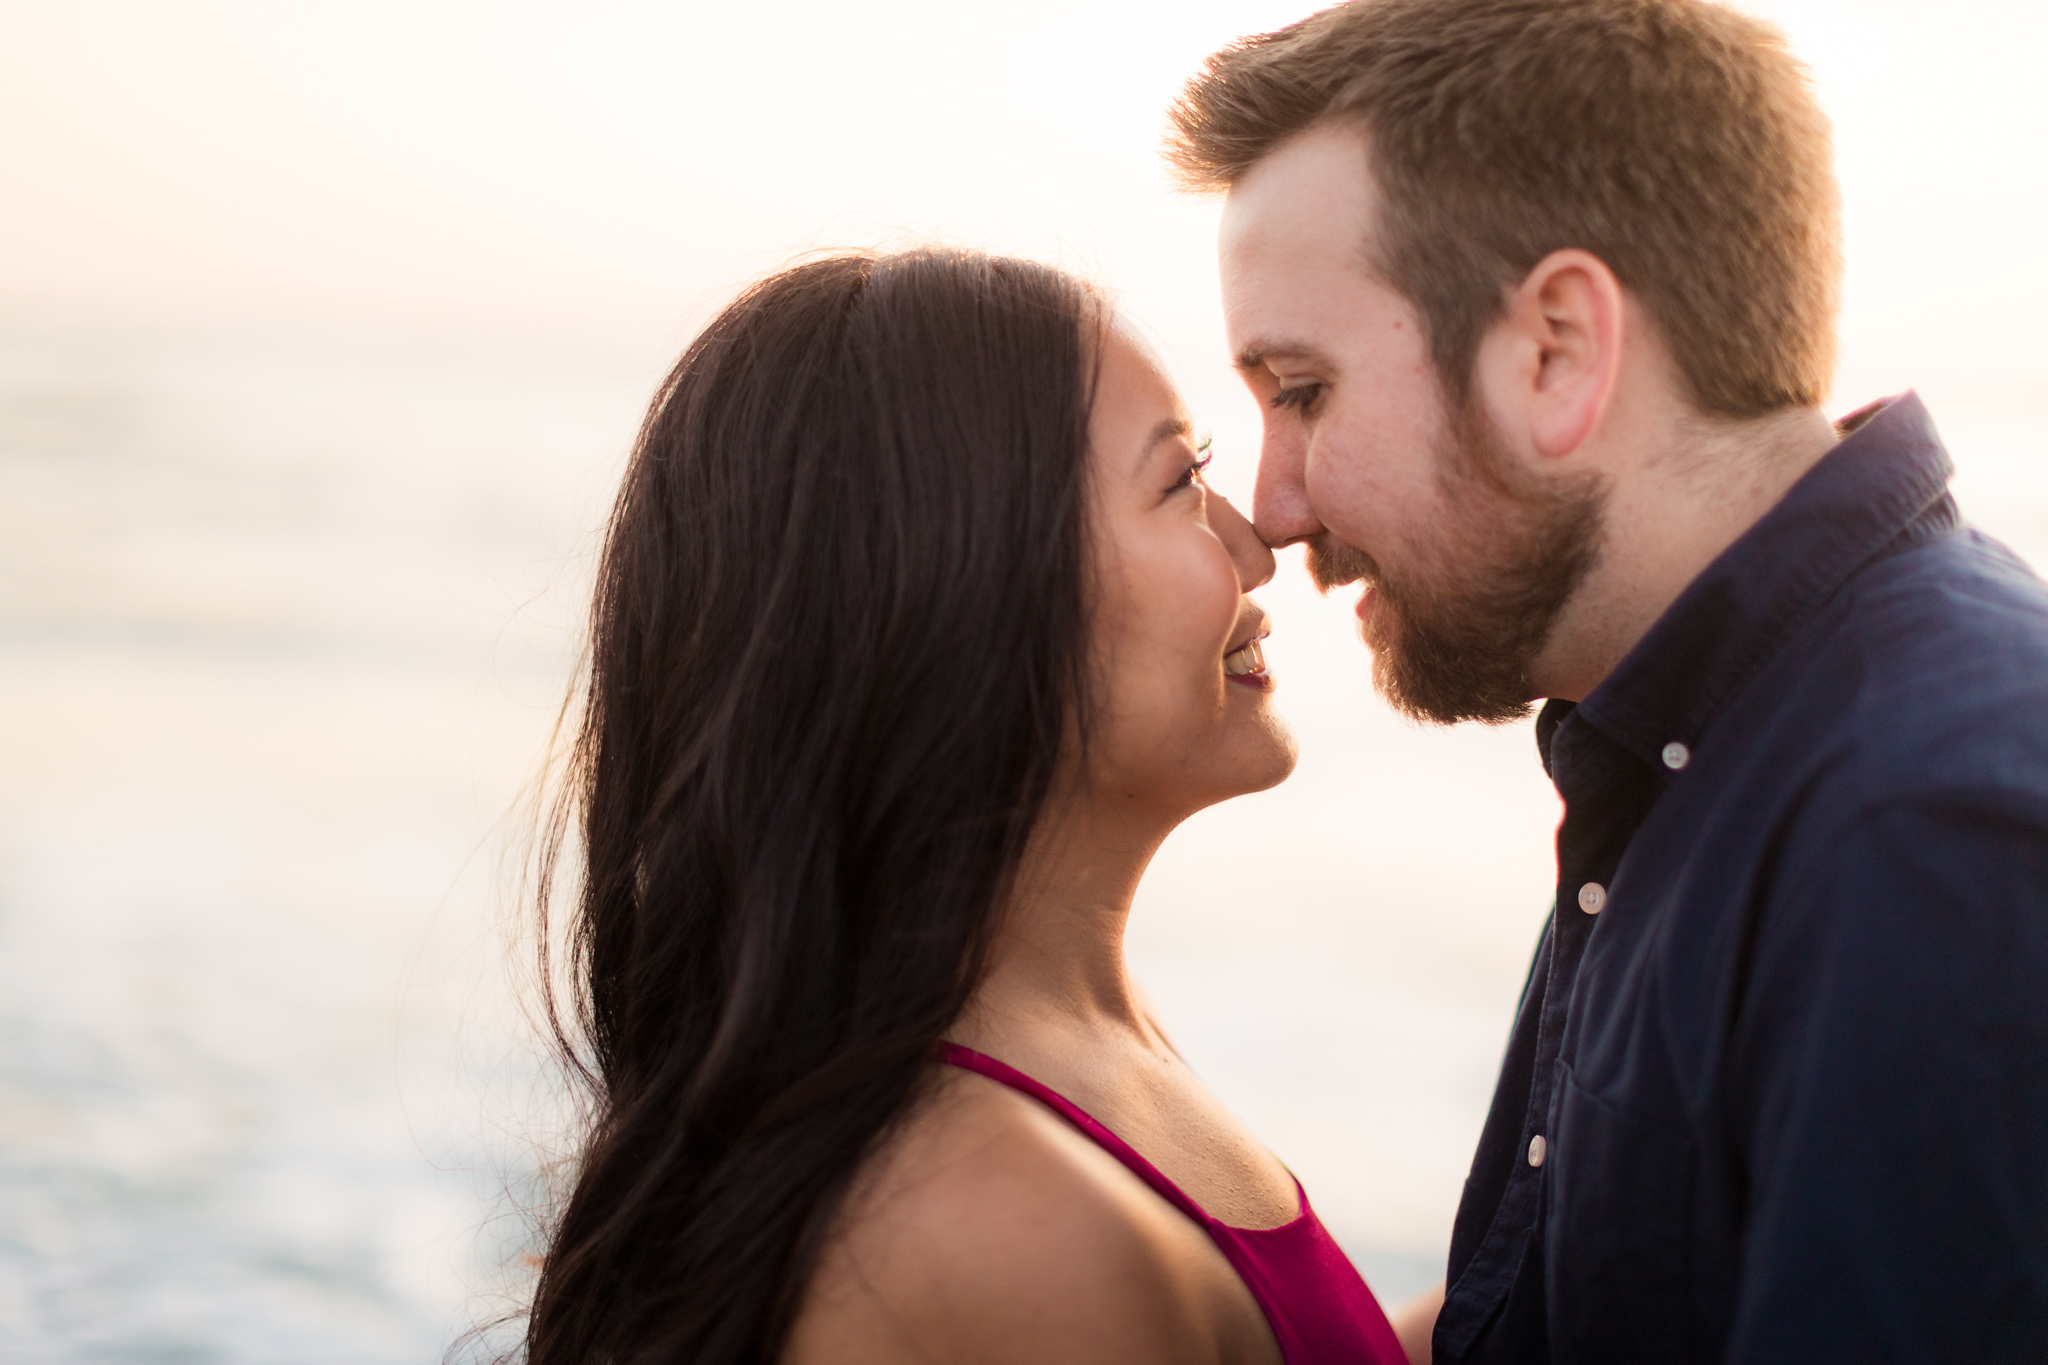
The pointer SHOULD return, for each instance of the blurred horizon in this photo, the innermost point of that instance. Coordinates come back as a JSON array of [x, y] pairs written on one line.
[[324, 331]]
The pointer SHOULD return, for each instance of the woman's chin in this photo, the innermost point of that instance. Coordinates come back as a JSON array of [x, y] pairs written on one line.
[[1259, 762], [1283, 754], [1176, 773]]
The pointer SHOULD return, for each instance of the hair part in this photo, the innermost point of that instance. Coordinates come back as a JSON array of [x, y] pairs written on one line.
[[1677, 140], [839, 638]]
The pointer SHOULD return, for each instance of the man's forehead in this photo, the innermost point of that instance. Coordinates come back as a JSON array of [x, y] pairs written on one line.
[[1293, 244], [1312, 191]]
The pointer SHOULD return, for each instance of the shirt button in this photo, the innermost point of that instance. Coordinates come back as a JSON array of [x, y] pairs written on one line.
[[1591, 897], [1676, 755], [1536, 1150]]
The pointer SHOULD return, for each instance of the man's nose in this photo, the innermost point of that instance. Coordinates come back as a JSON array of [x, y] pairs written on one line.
[[1280, 510]]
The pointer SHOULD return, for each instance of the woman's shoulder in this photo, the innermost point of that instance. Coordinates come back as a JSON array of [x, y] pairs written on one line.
[[988, 1228]]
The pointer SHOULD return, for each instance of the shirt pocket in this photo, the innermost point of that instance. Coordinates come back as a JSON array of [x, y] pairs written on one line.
[[1617, 1241]]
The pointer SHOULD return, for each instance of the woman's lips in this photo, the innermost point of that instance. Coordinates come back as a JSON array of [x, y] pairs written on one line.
[[1247, 665]]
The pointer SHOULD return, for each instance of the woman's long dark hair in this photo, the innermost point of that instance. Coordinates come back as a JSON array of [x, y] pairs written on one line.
[[839, 634]]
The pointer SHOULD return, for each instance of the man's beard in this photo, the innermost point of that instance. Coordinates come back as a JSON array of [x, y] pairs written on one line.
[[1458, 640]]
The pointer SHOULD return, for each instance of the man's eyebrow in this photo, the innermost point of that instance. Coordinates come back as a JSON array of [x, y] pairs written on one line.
[[1257, 353]]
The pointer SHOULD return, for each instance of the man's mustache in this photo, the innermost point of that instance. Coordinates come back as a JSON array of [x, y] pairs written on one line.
[[1332, 563]]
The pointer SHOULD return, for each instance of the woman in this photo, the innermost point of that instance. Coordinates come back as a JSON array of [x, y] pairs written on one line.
[[916, 633]]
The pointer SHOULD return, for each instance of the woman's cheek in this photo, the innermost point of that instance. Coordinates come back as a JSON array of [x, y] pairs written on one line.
[[1213, 595]]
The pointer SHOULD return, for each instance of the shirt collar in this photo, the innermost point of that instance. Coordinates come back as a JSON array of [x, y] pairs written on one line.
[[1883, 484]]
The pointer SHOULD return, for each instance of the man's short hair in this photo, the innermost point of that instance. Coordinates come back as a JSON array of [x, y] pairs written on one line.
[[1677, 140]]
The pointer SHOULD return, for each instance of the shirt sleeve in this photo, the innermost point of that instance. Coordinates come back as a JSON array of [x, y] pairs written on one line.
[[1890, 1065]]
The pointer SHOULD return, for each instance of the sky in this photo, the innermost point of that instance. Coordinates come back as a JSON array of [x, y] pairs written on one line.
[[598, 176]]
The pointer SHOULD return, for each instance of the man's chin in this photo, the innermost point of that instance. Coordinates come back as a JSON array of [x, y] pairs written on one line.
[[1433, 676]]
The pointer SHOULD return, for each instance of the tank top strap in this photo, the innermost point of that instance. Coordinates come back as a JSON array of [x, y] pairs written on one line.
[[968, 1059], [1320, 1311]]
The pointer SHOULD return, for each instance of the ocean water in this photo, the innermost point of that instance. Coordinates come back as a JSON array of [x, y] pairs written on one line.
[[283, 634], [275, 659]]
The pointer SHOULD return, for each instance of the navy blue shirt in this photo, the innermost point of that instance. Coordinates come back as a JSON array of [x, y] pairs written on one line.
[[1778, 1087]]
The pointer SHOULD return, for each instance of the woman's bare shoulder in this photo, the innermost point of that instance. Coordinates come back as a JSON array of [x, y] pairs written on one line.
[[988, 1229]]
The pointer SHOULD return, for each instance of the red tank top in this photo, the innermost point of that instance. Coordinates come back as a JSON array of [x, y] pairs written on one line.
[[1319, 1308]]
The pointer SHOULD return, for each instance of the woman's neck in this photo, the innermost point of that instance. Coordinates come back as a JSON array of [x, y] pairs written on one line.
[[1058, 960]]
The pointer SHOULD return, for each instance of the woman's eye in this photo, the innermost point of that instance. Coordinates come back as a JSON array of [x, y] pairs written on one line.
[[1302, 397], [1192, 473]]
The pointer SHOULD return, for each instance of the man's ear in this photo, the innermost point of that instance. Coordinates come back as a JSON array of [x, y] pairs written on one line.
[[1548, 365]]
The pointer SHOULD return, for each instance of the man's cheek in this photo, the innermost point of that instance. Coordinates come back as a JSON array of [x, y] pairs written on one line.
[[1338, 487]]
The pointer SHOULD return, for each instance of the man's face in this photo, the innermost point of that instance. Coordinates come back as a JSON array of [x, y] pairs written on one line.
[[1467, 556]]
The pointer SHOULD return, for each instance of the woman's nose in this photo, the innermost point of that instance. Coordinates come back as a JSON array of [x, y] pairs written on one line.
[[1253, 560]]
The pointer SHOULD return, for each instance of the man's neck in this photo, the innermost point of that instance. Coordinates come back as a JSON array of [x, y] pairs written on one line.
[[1670, 513]]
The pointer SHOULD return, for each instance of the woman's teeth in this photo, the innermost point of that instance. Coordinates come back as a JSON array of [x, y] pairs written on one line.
[[1250, 659]]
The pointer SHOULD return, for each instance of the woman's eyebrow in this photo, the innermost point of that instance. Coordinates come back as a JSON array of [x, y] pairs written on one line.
[[1165, 431]]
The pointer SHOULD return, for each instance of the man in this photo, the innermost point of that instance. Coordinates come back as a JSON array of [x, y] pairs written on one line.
[[1539, 297]]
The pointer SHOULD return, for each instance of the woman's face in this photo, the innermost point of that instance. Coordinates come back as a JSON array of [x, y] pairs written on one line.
[[1184, 708]]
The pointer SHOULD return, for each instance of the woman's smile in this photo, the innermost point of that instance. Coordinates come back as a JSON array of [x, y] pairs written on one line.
[[1247, 664]]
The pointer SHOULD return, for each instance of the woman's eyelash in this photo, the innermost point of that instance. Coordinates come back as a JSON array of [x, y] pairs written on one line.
[[1300, 396], [1194, 471]]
